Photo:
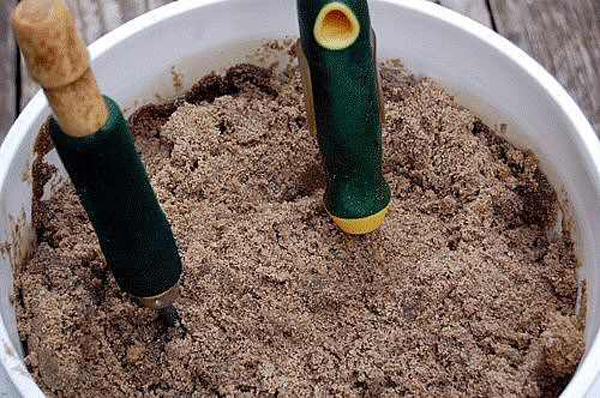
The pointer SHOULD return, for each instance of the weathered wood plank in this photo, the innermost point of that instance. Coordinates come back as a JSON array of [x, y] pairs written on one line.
[[564, 36], [94, 19], [8, 65], [474, 9]]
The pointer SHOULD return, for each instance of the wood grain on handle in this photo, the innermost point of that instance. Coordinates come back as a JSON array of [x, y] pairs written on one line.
[[58, 60]]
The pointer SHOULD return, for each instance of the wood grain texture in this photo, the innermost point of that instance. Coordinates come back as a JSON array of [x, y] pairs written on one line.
[[94, 19], [474, 9], [8, 65], [564, 36]]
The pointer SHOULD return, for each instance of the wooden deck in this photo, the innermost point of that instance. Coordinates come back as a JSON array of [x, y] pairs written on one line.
[[563, 35]]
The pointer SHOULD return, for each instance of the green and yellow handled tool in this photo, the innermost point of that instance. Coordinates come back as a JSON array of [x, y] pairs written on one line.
[[97, 149], [342, 92]]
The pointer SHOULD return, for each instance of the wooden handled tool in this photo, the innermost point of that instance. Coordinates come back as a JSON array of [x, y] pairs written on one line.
[[94, 143], [342, 93]]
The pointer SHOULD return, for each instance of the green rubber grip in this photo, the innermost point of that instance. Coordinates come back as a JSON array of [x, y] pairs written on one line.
[[112, 184], [347, 112]]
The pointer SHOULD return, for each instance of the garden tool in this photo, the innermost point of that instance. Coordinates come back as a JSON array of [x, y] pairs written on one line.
[[97, 149], [343, 100]]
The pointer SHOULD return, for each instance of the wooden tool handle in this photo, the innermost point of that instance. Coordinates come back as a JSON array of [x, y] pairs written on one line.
[[58, 60]]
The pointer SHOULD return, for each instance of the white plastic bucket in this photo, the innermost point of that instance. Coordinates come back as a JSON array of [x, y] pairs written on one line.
[[486, 72]]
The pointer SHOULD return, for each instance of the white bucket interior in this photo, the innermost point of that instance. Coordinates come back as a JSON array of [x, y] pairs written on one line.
[[487, 73]]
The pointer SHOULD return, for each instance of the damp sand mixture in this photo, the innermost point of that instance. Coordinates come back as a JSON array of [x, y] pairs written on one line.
[[466, 290]]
